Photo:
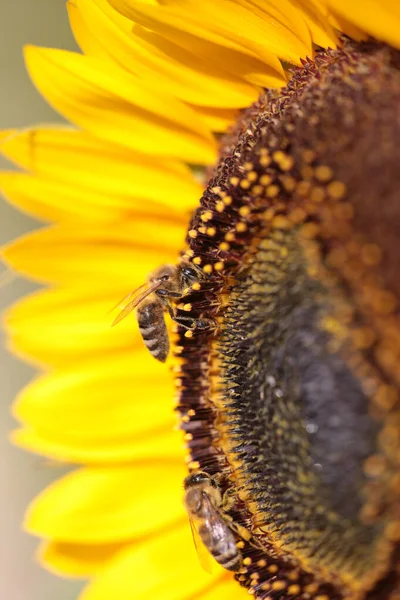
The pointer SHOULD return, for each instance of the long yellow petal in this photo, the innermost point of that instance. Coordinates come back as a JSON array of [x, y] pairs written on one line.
[[164, 567], [117, 175], [156, 446], [181, 73], [249, 67], [379, 18], [109, 504], [63, 326], [218, 22], [77, 560], [114, 105], [98, 257], [101, 403]]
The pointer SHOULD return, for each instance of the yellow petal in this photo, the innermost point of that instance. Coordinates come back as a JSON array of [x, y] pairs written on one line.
[[379, 18], [77, 560], [218, 23], [164, 566], [119, 176], [109, 504], [155, 59], [217, 120], [104, 400], [249, 67], [63, 326], [114, 105], [157, 446], [100, 257], [227, 589]]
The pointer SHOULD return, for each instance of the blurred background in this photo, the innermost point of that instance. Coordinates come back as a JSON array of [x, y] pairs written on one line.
[[41, 22]]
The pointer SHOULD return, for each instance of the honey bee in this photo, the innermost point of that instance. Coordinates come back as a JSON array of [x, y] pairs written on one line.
[[203, 501], [164, 286]]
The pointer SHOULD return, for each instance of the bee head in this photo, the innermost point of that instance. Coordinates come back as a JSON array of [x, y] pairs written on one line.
[[197, 479]]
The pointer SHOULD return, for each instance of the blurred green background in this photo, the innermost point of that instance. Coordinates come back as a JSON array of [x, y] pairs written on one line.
[[41, 22]]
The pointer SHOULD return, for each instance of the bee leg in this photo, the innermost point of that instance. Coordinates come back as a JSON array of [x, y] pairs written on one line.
[[195, 325], [228, 499]]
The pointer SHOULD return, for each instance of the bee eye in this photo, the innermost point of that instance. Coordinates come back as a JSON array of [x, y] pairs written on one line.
[[189, 274]]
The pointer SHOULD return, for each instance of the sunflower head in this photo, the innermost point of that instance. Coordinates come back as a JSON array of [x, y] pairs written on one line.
[[279, 297]]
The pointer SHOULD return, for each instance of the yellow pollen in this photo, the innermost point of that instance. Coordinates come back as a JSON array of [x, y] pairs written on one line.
[[216, 189], [206, 216], [289, 183], [196, 286], [323, 173], [185, 419], [202, 229], [208, 269], [192, 233], [265, 179], [189, 253], [284, 160], [187, 307], [257, 190], [262, 562], [252, 176], [247, 561], [234, 181], [227, 200], [240, 544], [248, 166], [219, 266], [311, 588], [303, 188], [197, 260], [336, 190], [220, 207], [279, 585], [188, 437], [211, 231], [317, 194], [265, 161], [241, 227], [194, 465], [191, 412], [266, 586], [189, 333], [224, 246], [230, 236], [244, 211], [294, 589], [245, 184], [272, 191], [273, 568]]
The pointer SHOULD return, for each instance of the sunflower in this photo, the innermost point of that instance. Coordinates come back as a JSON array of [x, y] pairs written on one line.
[[293, 243]]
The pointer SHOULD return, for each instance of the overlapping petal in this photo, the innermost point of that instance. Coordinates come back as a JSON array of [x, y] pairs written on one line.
[[164, 567], [121, 255], [379, 18], [101, 31], [114, 105], [77, 175], [109, 504]]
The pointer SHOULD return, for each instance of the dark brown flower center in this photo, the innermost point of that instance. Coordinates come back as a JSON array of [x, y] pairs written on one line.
[[293, 400]]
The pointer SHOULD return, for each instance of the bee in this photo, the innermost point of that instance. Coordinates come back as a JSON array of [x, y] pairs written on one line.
[[165, 285], [203, 501]]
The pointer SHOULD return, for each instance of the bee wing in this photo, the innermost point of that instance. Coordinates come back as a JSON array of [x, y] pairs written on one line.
[[138, 297], [205, 558]]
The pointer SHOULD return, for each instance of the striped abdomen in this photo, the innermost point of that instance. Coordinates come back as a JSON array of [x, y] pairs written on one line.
[[220, 542], [150, 316]]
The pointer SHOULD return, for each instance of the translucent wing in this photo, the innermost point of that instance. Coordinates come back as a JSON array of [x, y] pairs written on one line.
[[205, 558], [138, 296]]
